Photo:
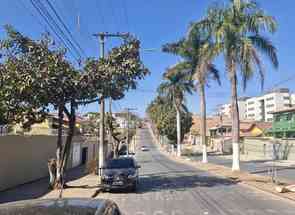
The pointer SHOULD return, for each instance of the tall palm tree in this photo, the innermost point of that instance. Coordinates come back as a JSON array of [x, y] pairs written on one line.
[[174, 88], [238, 29], [198, 51]]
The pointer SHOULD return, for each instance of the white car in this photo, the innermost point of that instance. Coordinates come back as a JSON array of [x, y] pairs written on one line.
[[144, 148]]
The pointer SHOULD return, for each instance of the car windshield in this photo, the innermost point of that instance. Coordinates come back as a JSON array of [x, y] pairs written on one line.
[[120, 164]]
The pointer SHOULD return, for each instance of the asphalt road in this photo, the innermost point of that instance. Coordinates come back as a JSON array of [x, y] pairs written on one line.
[[171, 188]]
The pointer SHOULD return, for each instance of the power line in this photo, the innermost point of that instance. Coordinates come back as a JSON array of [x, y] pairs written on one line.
[[50, 25], [56, 28], [65, 27]]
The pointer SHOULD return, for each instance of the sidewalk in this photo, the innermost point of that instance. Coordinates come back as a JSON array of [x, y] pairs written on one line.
[[81, 185], [284, 169], [85, 187]]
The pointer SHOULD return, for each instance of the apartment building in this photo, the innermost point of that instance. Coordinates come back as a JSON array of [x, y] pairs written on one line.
[[260, 108], [225, 109]]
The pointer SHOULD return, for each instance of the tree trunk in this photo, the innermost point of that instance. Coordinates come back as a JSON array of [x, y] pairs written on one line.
[[203, 122], [60, 182], [54, 165], [70, 135], [235, 121], [178, 127], [52, 172]]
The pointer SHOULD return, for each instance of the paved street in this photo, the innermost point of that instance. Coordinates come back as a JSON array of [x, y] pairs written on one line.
[[170, 188]]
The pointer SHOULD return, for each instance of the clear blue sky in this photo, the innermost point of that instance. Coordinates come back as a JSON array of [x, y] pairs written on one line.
[[155, 22]]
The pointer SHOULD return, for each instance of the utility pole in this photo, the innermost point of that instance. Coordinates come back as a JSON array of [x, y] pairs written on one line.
[[101, 159], [128, 127], [110, 139]]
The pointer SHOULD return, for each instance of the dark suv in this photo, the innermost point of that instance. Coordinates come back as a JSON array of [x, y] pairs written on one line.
[[120, 173]]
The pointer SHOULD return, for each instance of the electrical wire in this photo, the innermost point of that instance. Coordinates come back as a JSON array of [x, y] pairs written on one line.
[[56, 25], [50, 25], [65, 27]]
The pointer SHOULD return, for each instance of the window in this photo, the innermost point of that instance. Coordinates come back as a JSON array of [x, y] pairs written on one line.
[[287, 105], [250, 109], [250, 103], [269, 99], [120, 163], [286, 98], [289, 116], [271, 105], [269, 119]]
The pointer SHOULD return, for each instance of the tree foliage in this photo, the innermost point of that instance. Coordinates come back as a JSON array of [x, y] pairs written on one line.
[[162, 113], [35, 75]]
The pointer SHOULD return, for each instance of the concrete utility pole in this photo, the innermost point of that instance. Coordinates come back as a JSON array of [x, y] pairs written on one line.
[[110, 139], [128, 127], [101, 159]]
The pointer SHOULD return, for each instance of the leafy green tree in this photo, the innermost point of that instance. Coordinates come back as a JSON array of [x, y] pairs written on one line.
[[174, 87], [37, 75], [115, 74], [162, 113], [238, 29]]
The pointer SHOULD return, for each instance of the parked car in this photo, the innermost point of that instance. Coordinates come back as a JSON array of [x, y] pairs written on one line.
[[120, 173], [61, 206], [144, 148]]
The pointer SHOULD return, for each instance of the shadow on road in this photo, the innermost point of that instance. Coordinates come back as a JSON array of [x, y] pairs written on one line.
[[179, 180], [37, 189]]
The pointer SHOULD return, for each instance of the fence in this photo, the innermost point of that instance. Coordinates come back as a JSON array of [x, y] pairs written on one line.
[[270, 149]]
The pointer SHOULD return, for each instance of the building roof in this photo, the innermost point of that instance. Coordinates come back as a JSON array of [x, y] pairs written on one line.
[[263, 125], [245, 125], [211, 122]]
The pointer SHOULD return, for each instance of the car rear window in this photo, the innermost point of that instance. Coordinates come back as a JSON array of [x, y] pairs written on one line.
[[120, 163]]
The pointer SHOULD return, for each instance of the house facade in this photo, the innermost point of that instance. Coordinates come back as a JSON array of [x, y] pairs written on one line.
[[283, 125]]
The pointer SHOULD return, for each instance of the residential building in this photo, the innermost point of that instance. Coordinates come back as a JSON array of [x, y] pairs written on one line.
[[221, 134], [260, 108], [211, 121], [225, 109], [283, 125], [48, 126], [247, 129]]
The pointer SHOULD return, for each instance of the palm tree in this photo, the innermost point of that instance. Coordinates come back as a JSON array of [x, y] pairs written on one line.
[[198, 52], [174, 88], [238, 29]]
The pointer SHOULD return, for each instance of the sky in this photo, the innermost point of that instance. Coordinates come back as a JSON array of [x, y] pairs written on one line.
[[155, 22]]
